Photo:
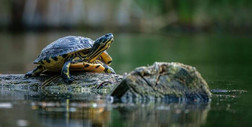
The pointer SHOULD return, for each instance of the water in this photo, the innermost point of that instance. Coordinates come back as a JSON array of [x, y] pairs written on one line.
[[223, 60]]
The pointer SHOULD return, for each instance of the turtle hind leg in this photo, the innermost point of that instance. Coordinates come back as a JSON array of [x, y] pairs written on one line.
[[35, 72], [92, 67], [108, 69], [65, 72]]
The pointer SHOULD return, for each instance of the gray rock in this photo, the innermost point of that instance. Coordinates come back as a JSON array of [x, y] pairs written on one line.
[[84, 83], [163, 80]]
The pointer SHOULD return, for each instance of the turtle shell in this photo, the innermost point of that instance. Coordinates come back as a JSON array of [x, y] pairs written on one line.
[[64, 45]]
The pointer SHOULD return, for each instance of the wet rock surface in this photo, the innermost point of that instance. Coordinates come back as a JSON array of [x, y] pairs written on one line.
[[84, 83], [161, 80]]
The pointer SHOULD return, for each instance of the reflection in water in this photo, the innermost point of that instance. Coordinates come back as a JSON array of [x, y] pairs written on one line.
[[166, 115], [99, 113], [73, 111]]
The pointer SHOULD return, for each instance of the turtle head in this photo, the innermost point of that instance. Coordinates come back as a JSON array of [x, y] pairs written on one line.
[[100, 45]]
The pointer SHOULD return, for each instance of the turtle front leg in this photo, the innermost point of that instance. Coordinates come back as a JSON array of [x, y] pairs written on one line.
[[106, 58], [35, 72], [65, 72]]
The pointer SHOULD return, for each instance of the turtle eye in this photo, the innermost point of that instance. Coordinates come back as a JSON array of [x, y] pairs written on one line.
[[103, 42]]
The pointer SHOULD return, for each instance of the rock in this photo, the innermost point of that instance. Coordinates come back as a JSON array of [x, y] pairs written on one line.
[[161, 80], [165, 81], [84, 82]]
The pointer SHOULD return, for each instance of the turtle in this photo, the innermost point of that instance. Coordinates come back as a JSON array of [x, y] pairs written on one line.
[[75, 53]]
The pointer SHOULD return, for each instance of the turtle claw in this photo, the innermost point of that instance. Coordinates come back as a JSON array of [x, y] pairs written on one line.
[[68, 80], [35, 72], [111, 70], [28, 74]]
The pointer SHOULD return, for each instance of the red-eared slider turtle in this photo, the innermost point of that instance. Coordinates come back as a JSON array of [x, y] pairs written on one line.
[[74, 52]]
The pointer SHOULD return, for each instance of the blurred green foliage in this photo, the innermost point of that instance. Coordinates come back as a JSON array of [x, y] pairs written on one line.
[[216, 10], [142, 15]]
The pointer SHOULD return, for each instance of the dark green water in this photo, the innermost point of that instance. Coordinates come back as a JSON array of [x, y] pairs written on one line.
[[223, 60]]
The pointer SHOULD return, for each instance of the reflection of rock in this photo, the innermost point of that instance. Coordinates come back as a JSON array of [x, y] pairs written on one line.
[[165, 115], [164, 80], [72, 113]]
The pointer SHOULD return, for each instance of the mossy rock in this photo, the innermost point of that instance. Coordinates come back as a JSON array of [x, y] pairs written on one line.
[[164, 80]]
